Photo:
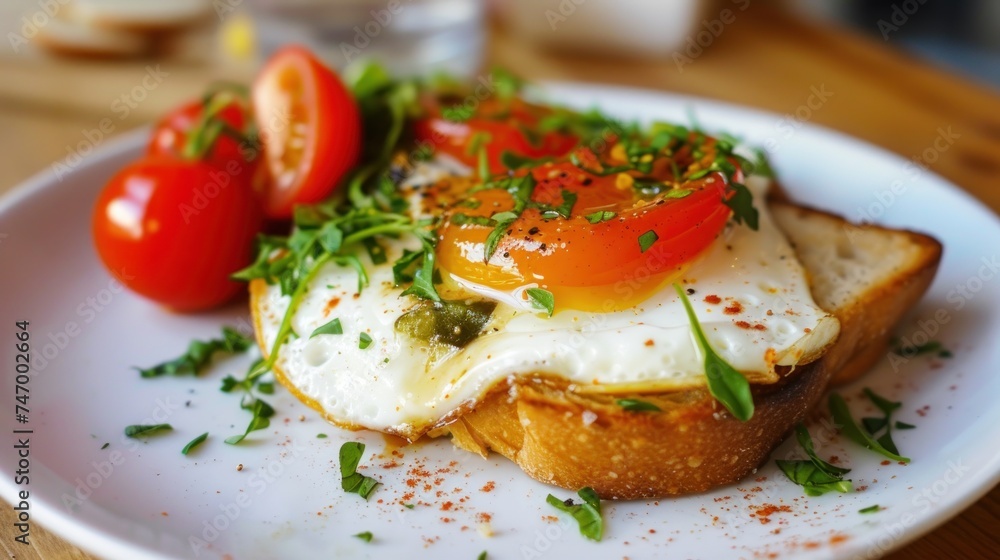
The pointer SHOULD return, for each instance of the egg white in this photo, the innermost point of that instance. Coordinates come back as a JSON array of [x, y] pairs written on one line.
[[403, 386]]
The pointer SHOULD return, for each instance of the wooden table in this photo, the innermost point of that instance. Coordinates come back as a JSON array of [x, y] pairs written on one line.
[[763, 59]]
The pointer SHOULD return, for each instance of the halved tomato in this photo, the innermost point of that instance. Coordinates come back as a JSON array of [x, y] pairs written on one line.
[[310, 126]]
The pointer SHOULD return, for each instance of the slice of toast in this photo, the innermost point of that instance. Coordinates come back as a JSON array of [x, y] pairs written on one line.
[[867, 276]]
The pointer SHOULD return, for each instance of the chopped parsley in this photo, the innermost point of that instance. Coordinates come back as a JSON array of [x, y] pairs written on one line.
[[933, 347], [635, 405], [587, 514], [512, 160], [321, 436], [815, 476], [881, 428], [333, 327], [137, 430], [542, 299], [741, 204], [871, 509], [726, 385], [600, 216], [647, 240], [457, 113], [194, 443], [199, 354], [365, 536], [351, 480], [842, 417], [262, 412], [364, 340]]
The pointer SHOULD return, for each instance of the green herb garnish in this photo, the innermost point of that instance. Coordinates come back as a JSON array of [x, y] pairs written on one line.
[[261, 413], [742, 205], [814, 481], [137, 430], [600, 216], [199, 354], [333, 327], [646, 240], [457, 113], [870, 509], [512, 160], [364, 340], [842, 416], [194, 443], [542, 299], [635, 405], [727, 385], [321, 436], [365, 536], [105, 446], [874, 425], [351, 480], [816, 476], [587, 514], [932, 347]]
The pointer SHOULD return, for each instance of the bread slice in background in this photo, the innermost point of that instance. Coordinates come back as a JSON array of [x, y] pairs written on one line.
[[868, 277]]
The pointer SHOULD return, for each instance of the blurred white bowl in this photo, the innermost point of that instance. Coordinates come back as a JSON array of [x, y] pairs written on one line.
[[623, 27]]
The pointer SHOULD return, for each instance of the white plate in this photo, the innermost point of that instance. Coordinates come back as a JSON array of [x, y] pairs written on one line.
[[287, 501]]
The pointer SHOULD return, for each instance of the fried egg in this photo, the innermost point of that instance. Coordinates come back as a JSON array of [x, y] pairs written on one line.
[[749, 291]]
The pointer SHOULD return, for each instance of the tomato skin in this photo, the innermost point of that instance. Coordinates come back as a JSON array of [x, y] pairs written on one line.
[[506, 133], [173, 231], [171, 133], [311, 128]]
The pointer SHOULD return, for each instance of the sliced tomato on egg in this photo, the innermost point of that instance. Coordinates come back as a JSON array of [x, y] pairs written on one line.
[[618, 244], [496, 125], [310, 126]]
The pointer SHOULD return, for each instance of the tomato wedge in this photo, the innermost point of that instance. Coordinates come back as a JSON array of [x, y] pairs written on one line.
[[310, 126]]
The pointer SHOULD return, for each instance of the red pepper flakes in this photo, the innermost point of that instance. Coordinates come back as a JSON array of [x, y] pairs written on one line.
[[734, 309], [446, 506], [713, 299], [489, 486], [765, 511]]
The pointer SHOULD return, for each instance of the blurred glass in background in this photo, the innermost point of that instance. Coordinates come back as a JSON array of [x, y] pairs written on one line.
[[409, 37]]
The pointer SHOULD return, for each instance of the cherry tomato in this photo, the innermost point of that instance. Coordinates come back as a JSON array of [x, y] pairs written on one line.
[[171, 134], [616, 247], [504, 126], [174, 230], [310, 126]]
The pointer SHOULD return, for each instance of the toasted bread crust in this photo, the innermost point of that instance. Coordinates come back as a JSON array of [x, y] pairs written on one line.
[[561, 437]]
